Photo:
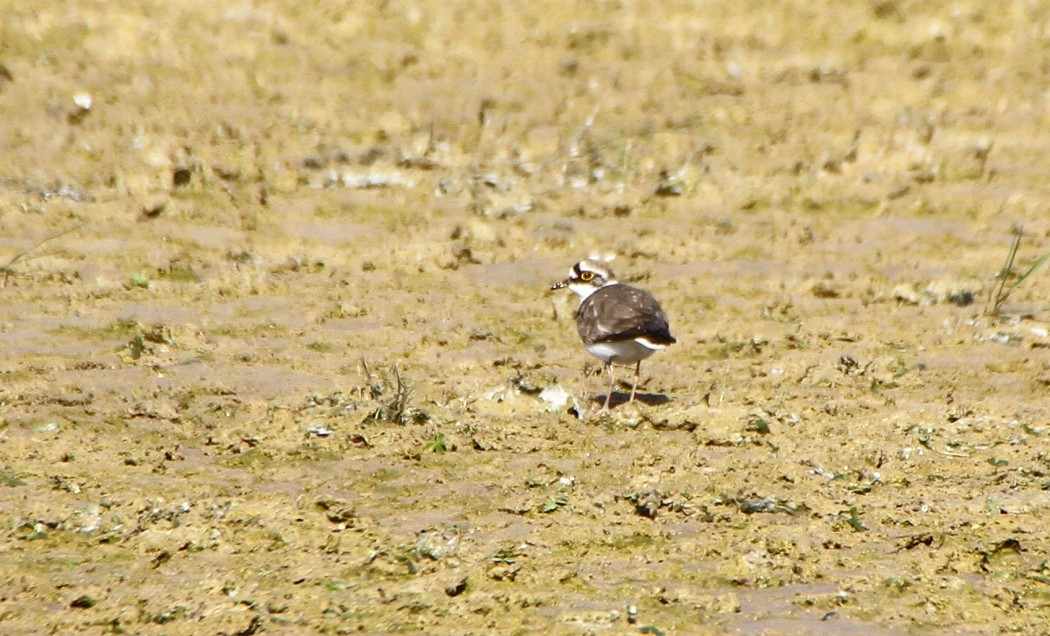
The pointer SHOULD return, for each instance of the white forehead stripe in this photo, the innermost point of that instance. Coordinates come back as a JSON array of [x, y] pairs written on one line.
[[592, 266]]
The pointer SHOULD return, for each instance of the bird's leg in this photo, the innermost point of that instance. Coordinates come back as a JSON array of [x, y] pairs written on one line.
[[608, 398], [637, 370]]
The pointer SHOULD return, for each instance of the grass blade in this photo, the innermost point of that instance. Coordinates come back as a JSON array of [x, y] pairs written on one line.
[[1000, 293]]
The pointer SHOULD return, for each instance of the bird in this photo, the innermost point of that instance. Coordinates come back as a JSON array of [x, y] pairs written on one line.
[[618, 323]]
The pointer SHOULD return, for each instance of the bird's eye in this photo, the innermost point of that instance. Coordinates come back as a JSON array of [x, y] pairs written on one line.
[[586, 276]]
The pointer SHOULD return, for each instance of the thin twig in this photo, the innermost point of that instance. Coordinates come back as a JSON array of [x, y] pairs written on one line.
[[574, 144], [948, 453], [21, 256]]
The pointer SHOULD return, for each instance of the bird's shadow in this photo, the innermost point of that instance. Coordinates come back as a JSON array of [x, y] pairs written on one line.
[[618, 398]]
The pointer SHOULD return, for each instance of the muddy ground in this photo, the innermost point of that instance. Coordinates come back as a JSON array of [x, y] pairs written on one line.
[[277, 349]]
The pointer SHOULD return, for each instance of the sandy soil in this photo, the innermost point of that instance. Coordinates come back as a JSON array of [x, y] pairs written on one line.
[[277, 345]]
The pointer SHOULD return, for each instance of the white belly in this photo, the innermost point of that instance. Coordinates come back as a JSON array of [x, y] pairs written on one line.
[[625, 352]]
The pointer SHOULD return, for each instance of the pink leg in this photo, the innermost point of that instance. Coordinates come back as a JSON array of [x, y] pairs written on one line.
[[637, 370], [608, 398]]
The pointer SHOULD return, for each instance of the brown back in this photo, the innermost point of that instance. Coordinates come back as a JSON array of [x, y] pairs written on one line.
[[621, 312]]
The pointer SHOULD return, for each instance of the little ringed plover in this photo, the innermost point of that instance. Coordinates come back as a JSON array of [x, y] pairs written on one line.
[[618, 323]]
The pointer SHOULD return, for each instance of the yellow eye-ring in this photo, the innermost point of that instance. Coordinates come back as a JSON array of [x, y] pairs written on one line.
[[586, 276]]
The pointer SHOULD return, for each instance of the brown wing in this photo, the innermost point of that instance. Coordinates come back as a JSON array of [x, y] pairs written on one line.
[[621, 312]]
